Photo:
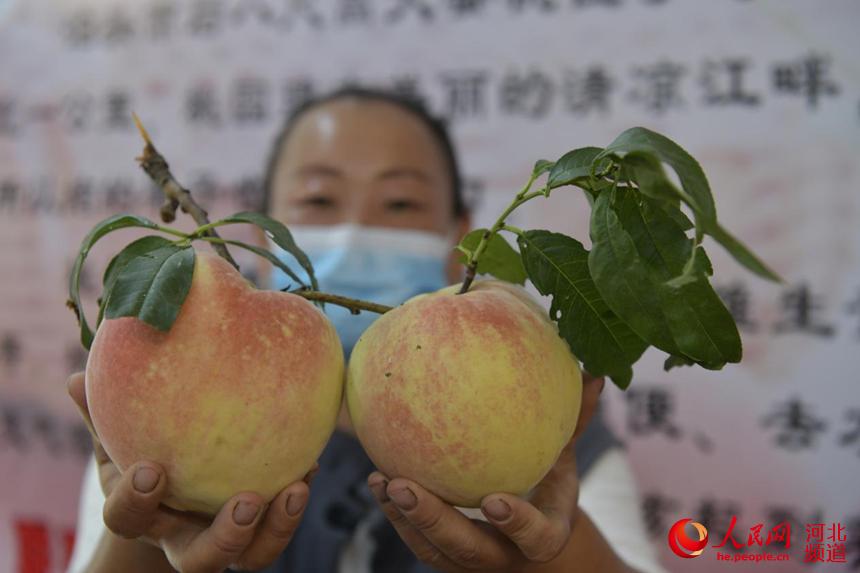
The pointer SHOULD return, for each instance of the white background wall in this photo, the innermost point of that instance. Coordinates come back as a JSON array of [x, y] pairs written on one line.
[[766, 93]]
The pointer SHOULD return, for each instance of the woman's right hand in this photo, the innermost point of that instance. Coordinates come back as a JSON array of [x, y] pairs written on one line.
[[246, 534]]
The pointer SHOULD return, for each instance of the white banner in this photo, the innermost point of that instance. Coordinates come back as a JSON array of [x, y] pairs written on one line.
[[765, 93]]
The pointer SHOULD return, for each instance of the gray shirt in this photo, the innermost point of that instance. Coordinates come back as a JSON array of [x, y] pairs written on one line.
[[341, 507]]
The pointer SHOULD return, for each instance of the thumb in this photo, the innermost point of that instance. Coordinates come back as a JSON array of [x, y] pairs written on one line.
[[591, 389], [77, 390]]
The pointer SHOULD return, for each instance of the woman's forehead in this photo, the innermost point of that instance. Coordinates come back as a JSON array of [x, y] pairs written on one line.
[[364, 131]]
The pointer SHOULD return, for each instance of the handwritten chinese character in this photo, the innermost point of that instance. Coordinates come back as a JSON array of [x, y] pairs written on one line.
[[807, 77], [9, 193], [655, 508], [10, 349], [466, 7], [201, 105], [587, 90], [260, 10], [798, 428], [404, 7], [800, 308], [79, 29], [118, 193], [605, 3], [80, 195], [118, 112], [206, 17], [736, 297], [528, 94], [8, 119], [723, 81], [13, 427], [854, 308], [250, 100], [651, 410], [302, 11], [296, 92], [119, 28], [354, 11], [76, 110], [161, 17], [658, 86], [465, 93], [852, 436]]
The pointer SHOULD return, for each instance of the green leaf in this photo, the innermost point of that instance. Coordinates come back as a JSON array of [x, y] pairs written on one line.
[[573, 168], [498, 259], [642, 151], [693, 180], [268, 256], [701, 327], [118, 263], [623, 278], [97, 232], [703, 263], [282, 237], [697, 265], [647, 172], [541, 167], [152, 286], [678, 216], [676, 361], [558, 267], [741, 253]]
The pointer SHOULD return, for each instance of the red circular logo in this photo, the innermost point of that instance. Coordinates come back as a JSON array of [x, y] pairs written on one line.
[[682, 544]]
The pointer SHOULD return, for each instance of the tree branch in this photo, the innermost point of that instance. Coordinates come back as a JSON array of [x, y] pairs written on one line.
[[176, 196], [354, 305]]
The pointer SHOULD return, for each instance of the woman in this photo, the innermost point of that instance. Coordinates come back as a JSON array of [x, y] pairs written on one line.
[[370, 186]]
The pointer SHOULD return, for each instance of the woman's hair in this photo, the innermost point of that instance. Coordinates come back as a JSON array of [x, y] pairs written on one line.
[[413, 106]]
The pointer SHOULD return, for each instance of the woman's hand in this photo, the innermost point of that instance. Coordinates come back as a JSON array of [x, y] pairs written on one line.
[[518, 534], [246, 534]]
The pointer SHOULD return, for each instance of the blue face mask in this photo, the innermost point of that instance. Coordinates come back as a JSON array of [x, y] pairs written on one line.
[[388, 266]]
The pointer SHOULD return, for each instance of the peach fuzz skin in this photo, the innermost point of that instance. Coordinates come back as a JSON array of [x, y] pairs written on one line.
[[465, 394], [241, 394]]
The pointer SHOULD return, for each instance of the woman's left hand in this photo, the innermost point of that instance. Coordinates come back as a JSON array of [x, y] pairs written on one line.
[[518, 534]]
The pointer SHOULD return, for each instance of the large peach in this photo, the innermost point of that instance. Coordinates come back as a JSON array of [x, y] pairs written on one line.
[[241, 394], [465, 394]]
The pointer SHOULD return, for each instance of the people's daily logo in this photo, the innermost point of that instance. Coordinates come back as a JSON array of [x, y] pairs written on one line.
[[682, 544]]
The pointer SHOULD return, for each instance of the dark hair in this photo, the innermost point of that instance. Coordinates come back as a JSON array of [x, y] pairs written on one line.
[[413, 106]]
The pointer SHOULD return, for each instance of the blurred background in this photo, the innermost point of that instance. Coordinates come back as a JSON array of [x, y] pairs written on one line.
[[765, 93]]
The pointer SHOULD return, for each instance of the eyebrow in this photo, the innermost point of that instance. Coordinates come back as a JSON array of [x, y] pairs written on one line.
[[408, 172], [319, 169]]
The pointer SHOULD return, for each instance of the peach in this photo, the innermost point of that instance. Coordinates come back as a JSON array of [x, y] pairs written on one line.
[[241, 394], [465, 394]]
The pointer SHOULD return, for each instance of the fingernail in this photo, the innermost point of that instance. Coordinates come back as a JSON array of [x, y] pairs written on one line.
[[145, 480], [379, 490], [309, 477], [245, 512], [295, 503], [498, 509], [404, 498]]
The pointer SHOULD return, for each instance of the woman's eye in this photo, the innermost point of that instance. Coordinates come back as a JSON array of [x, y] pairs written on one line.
[[400, 205], [318, 201]]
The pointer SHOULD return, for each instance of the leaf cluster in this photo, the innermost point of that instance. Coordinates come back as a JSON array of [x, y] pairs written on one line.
[[646, 280], [150, 278]]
